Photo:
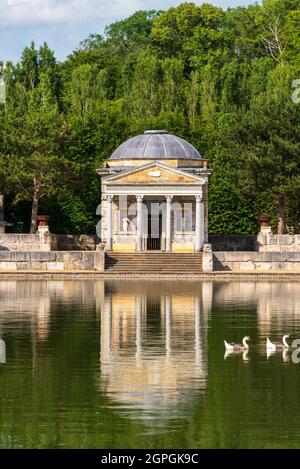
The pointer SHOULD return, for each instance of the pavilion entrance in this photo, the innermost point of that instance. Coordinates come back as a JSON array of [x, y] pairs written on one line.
[[154, 232]]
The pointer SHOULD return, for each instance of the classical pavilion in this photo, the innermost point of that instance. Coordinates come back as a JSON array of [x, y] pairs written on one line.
[[154, 195]]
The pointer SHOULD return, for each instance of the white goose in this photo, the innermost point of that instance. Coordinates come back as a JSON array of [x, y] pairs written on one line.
[[231, 347], [278, 345]]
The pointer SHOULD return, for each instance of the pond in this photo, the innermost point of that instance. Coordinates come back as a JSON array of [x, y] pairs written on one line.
[[141, 364]]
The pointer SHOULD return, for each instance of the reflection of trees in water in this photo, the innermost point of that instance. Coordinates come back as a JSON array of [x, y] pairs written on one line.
[[31, 303], [277, 303]]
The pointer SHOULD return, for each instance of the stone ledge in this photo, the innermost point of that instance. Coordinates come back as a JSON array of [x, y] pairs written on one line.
[[52, 261], [252, 261], [228, 276]]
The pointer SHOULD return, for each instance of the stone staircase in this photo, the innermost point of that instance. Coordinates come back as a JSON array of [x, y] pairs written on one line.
[[154, 262]]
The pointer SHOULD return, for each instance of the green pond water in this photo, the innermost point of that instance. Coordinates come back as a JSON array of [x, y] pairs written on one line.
[[94, 364]]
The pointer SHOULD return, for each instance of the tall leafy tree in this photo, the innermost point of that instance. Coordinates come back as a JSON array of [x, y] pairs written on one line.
[[270, 140], [32, 131], [221, 79]]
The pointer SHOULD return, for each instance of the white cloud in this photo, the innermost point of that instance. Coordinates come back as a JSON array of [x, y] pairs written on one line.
[[64, 23], [33, 12]]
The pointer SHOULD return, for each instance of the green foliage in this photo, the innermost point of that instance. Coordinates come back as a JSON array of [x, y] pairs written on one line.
[[269, 133], [220, 79]]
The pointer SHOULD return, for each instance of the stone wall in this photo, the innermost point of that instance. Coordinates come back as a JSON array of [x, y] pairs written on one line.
[[256, 261], [261, 242], [76, 242], [47, 242], [278, 243], [27, 242], [233, 242], [52, 261]]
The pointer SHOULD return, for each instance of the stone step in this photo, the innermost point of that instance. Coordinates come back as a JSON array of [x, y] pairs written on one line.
[[153, 256], [147, 268], [158, 262], [155, 262]]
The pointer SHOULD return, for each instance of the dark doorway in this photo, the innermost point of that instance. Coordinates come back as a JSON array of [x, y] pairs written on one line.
[[154, 232]]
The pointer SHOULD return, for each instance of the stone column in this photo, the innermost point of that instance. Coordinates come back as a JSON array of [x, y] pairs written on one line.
[[199, 225], [168, 223], [109, 232], [139, 222]]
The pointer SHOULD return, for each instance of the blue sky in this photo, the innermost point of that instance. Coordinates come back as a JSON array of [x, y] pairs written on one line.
[[64, 23]]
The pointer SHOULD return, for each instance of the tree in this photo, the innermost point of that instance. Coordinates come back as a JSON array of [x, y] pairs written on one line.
[[221, 79], [270, 139], [132, 33], [32, 130]]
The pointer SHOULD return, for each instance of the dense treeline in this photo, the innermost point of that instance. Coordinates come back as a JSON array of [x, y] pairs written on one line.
[[224, 80]]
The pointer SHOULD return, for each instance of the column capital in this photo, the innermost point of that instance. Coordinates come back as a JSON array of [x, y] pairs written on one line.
[[110, 197], [199, 198], [139, 198], [169, 198]]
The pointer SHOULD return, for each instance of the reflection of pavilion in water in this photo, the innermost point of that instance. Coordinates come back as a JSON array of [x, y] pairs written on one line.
[[154, 343], [277, 304]]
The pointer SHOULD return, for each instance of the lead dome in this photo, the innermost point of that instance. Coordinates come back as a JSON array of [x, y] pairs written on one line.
[[156, 144]]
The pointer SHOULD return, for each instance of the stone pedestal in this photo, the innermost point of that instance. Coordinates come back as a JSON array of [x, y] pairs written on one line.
[[265, 226], [207, 258], [43, 227]]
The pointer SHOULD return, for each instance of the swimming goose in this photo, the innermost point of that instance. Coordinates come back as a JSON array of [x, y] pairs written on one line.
[[278, 345], [238, 347]]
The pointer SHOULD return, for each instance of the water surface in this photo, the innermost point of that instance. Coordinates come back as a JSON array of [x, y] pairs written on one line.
[[94, 364]]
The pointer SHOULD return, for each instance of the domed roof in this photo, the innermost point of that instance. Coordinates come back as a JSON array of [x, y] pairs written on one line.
[[156, 145]]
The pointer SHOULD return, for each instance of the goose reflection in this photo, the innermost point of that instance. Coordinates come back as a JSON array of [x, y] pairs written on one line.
[[285, 355], [153, 349], [244, 354]]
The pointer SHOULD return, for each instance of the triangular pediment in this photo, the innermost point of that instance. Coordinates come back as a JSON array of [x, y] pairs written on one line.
[[154, 173]]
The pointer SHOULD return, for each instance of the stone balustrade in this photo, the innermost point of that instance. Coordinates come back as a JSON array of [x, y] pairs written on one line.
[[52, 261], [47, 242], [28, 242], [278, 243], [256, 261]]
